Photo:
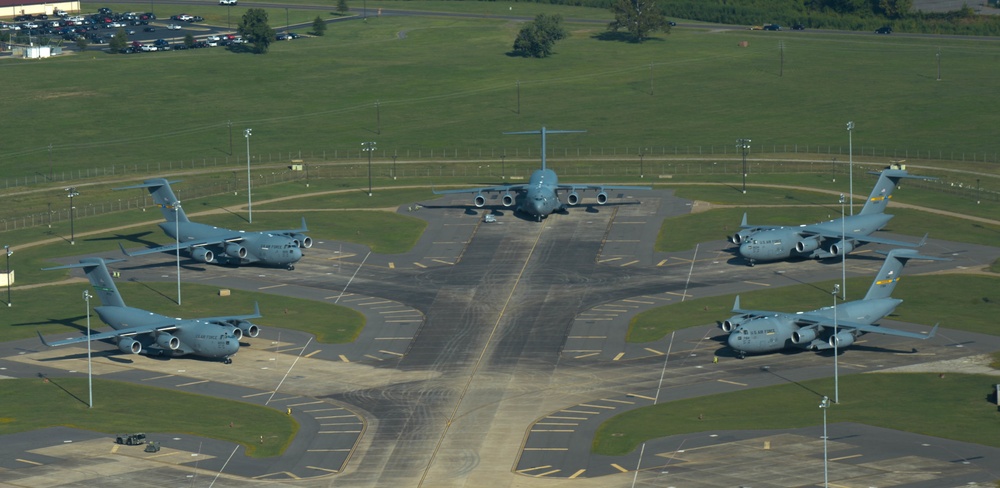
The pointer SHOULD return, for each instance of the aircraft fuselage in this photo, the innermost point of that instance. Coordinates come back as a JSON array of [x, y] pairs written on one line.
[[779, 243], [540, 197], [196, 337], [255, 247]]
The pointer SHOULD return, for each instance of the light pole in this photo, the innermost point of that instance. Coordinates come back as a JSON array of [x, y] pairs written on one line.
[[823, 405], [10, 276], [90, 370], [368, 147], [394, 156], [177, 238], [850, 163], [640, 164], [503, 167], [744, 145], [72, 231], [836, 376], [843, 253], [246, 133]]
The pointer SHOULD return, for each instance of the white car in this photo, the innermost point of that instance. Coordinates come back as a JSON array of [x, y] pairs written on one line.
[[213, 38], [173, 27], [227, 2]]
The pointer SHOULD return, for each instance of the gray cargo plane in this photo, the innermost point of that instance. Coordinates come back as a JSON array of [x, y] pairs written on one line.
[[539, 197], [761, 331], [825, 239], [210, 244], [137, 329]]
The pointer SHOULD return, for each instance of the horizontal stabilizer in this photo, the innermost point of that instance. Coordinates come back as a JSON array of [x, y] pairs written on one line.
[[149, 184], [83, 264]]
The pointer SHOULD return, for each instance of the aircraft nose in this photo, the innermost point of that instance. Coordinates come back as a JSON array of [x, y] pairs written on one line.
[[296, 254], [745, 249], [733, 339]]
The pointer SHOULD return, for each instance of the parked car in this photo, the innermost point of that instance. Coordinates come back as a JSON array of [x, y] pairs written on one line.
[[227, 2], [798, 27], [884, 30], [292, 35], [772, 27], [173, 27], [149, 29]]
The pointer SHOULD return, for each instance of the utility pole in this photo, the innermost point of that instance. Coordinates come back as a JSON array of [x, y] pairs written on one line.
[[744, 145]]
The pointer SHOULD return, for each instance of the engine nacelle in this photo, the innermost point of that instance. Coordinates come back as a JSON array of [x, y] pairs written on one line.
[[573, 198], [841, 248], [248, 329], [732, 322], [739, 237], [168, 341], [303, 241], [203, 255], [602, 198], [842, 339], [128, 345], [235, 250], [507, 200], [479, 201], [806, 245], [803, 336]]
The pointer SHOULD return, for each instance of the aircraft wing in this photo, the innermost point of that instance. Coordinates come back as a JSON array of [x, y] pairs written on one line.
[[485, 189], [225, 318], [807, 319], [752, 313], [810, 230], [128, 331], [182, 246], [602, 187], [289, 231]]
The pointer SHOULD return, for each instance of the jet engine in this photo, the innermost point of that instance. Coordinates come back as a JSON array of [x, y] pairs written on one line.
[[126, 344], [602, 198], [235, 250], [573, 198], [841, 247], [248, 329], [232, 330], [202, 254], [507, 200], [732, 322], [479, 201], [303, 241], [842, 339], [739, 237], [806, 245], [803, 336], [167, 341]]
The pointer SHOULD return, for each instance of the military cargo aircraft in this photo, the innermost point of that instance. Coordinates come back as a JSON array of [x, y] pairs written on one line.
[[136, 330], [761, 331], [210, 244], [825, 239], [539, 197]]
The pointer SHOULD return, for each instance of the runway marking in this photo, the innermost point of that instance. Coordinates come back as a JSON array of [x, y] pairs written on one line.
[[654, 351], [301, 404], [442, 261], [638, 301], [658, 297], [678, 294], [732, 382], [756, 283], [286, 473], [846, 457], [328, 450], [556, 431], [339, 432], [323, 409], [257, 394], [661, 263], [192, 383], [419, 265], [344, 359], [313, 353], [335, 417], [374, 303], [383, 351], [539, 475], [566, 418], [619, 468], [114, 449], [597, 406], [29, 462], [576, 474], [332, 424], [618, 356], [630, 263], [546, 449], [369, 356], [644, 397], [286, 399], [606, 260], [525, 470], [586, 355], [557, 423], [393, 339], [599, 318], [272, 286], [584, 412], [392, 265], [323, 469], [626, 402], [403, 321], [159, 377], [297, 348], [404, 310], [588, 337], [610, 310]]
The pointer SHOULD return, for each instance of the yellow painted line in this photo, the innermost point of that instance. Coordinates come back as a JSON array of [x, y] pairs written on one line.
[[586, 355], [528, 470], [344, 359], [756, 283], [644, 397], [114, 448], [619, 468], [272, 286], [394, 353], [630, 263], [606, 260], [192, 383], [654, 351], [618, 356], [732, 382], [539, 475], [419, 265], [576, 474], [678, 294], [584, 412], [279, 473], [639, 301], [661, 263], [588, 405], [546, 448], [846, 457], [617, 401], [313, 353], [369, 356], [29, 462], [257, 394], [159, 377], [442, 261], [392, 265]]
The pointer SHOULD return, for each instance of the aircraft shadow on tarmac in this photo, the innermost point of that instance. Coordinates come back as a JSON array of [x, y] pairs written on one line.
[[501, 211], [136, 238], [67, 321]]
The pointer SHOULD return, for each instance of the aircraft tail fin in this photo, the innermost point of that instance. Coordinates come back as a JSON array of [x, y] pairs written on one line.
[[97, 272], [543, 132], [888, 180], [888, 275], [164, 197]]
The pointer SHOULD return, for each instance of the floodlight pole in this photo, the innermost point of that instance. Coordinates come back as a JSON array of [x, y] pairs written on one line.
[[247, 134], [836, 341], [823, 405], [369, 147], [9, 275], [744, 145], [843, 255], [640, 164], [72, 230], [503, 167], [90, 369], [394, 156], [850, 158], [177, 236]]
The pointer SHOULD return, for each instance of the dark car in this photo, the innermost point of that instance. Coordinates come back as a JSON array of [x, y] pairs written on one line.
[[292, 35], [772, 27], [149, 29], [798, 27], [884, 30], [671, 23]]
